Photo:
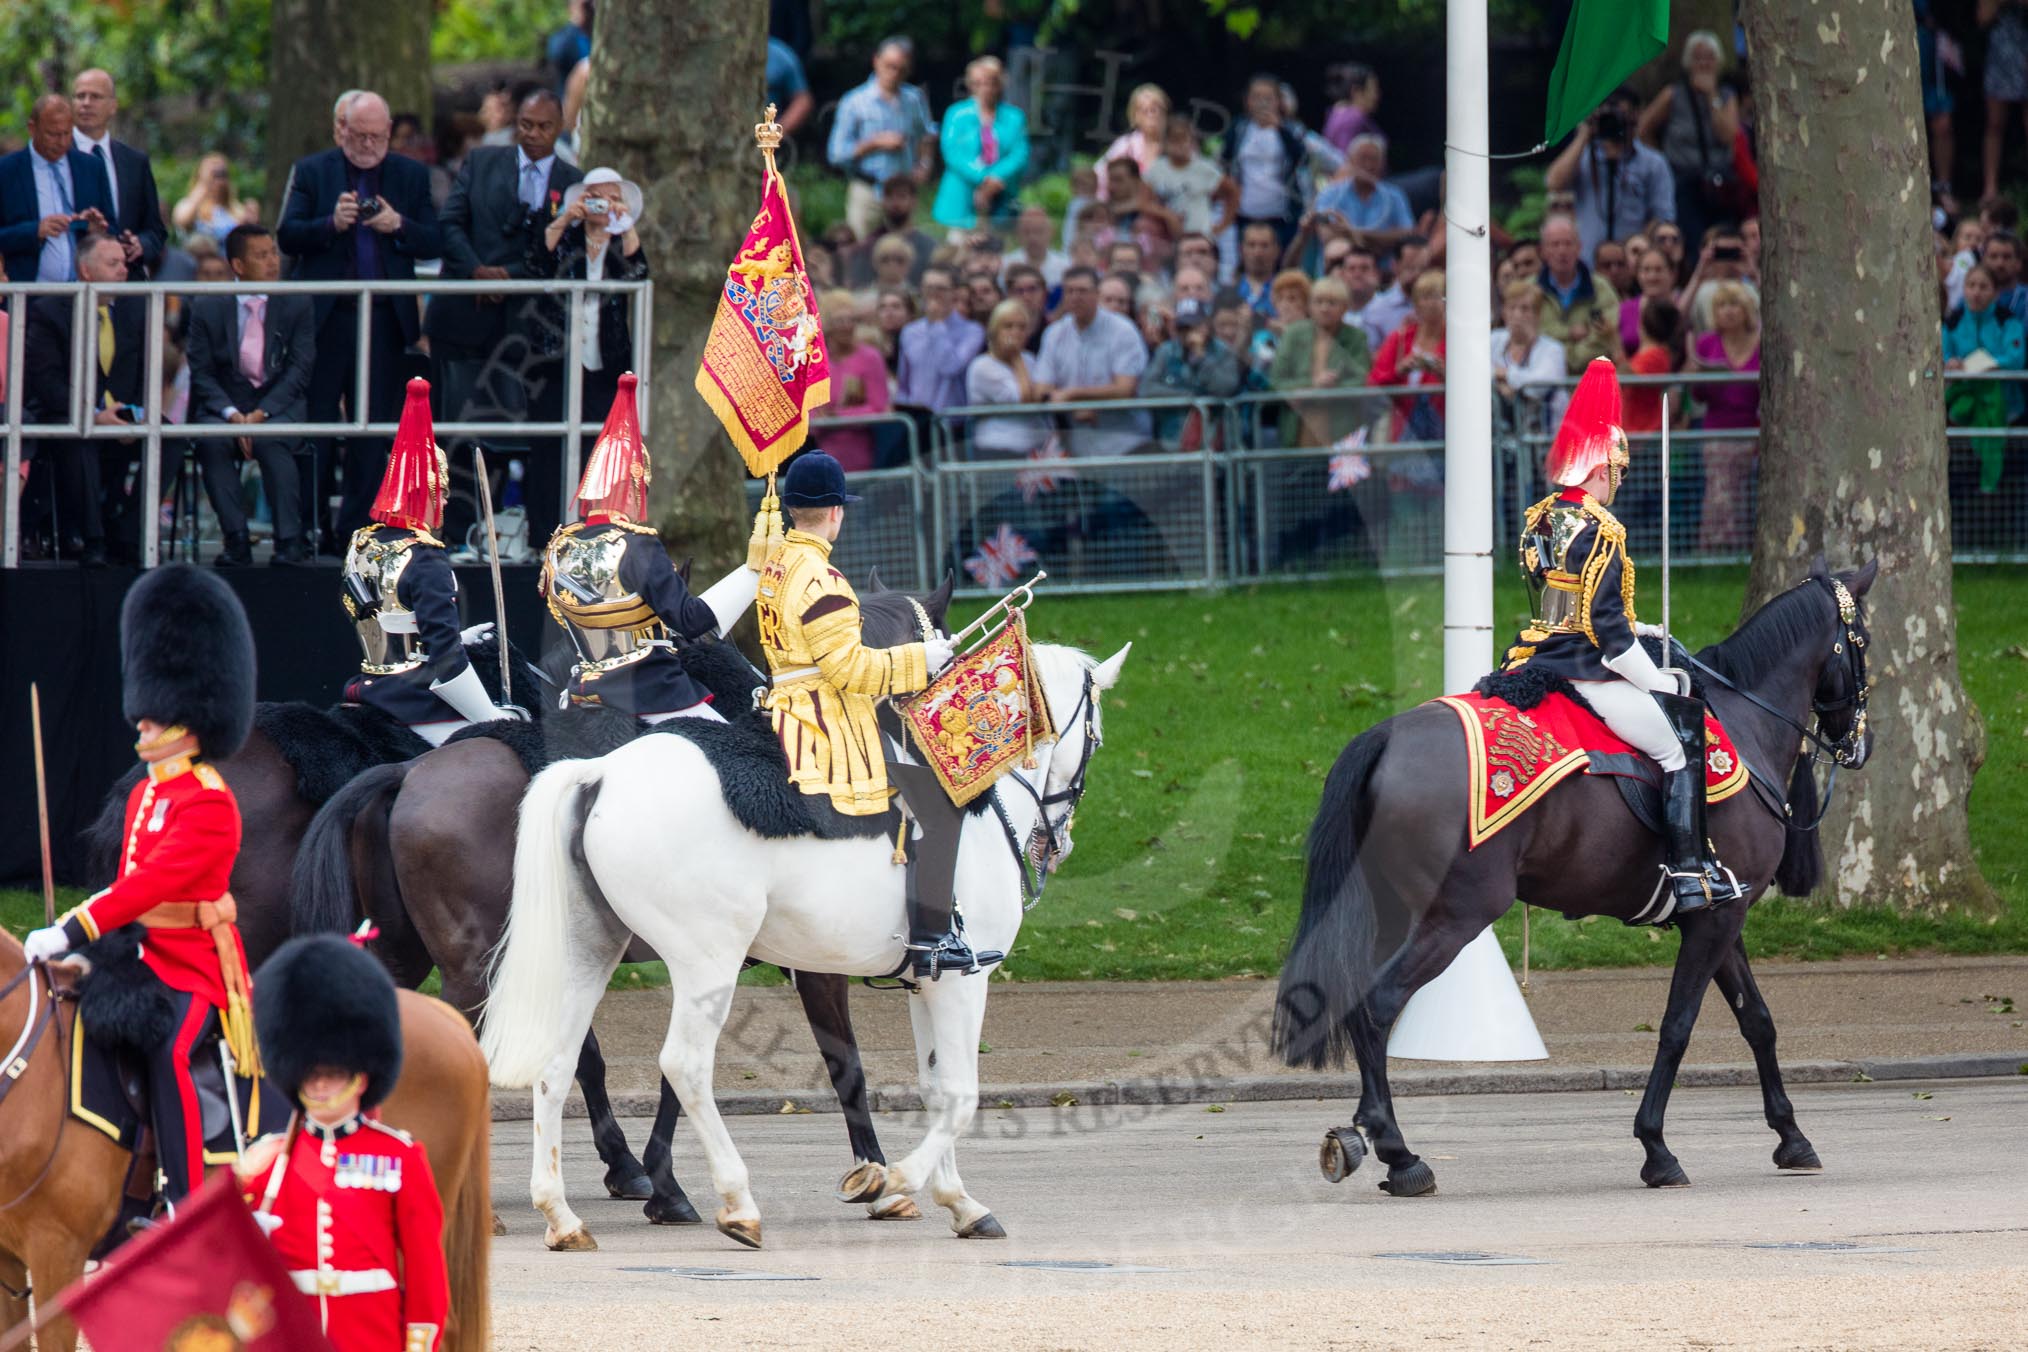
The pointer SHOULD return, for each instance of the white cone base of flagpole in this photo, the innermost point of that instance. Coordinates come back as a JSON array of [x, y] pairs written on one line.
[[1472, 1012]]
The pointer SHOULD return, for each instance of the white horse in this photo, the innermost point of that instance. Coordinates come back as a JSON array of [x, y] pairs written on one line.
[[641, 842]]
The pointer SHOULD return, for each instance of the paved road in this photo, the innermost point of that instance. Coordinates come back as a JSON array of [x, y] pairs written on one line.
[[1248, 1246]]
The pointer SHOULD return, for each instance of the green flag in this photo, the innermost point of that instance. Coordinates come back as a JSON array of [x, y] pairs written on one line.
[[1607, 40]]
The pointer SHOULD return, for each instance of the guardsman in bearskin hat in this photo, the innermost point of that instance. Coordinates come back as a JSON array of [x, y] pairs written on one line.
[[188, 658], [1574, 558], [348, 1201], [821, 702], [403, 597], [609, 582]]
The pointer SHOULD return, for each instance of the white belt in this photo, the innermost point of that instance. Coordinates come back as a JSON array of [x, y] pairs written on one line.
[[327, 1283], [797, 674]]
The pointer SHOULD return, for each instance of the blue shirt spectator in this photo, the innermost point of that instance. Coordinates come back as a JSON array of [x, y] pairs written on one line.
[[788, 87], [569, 44], [936, 349], [985, 146], [1091, 354], [1617, 184], [880, 132]]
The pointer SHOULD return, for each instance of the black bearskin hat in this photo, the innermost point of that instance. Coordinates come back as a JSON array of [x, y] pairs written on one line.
[[322, 1000], [188, 656]]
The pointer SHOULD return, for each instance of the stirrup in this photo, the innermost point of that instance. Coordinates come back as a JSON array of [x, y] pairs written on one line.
[[948, 954]]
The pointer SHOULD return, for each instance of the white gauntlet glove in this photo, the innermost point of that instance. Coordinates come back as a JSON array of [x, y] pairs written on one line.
[[44, 944], [938, 653], [1647, 630], [478, 633]]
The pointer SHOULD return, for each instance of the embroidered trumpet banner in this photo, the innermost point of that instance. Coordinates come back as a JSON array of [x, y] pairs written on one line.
[[1514, 758], [765, 366], [985, 713]]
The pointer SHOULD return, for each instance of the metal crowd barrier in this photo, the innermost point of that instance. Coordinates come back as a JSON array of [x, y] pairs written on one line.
[[84, 298], [1240, 503]]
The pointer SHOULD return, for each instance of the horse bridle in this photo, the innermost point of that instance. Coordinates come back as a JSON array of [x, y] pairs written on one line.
[[1836, 753], [1037, 860]]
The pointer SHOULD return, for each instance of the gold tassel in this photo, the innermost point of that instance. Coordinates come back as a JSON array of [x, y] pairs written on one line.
[[900, 855], [768, 536]]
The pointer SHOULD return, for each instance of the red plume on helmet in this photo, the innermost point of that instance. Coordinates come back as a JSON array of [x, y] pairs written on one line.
[[418, 478], [615, 482], [1590, 436]]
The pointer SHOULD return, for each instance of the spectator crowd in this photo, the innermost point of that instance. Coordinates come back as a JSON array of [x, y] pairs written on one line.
[[1288, 266]]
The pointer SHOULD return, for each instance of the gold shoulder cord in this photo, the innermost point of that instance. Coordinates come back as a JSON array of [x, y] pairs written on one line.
[[1612, 539]]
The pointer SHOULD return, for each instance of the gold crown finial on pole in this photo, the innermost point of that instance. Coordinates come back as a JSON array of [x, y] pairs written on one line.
[[768, 136]]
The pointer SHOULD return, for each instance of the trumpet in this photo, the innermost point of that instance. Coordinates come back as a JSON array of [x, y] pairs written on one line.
[[1006, 606]]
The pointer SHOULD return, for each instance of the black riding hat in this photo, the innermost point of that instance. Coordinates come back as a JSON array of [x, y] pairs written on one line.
[[322, 1000], [188, 656], [815, 480]]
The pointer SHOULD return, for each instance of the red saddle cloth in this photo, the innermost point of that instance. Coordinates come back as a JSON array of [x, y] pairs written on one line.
[[1515, 758]]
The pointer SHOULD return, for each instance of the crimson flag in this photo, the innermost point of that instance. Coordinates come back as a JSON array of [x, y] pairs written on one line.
[[207, 1281]]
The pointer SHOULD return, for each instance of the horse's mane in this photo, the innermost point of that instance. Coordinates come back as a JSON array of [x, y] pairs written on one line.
[[1770, 635]]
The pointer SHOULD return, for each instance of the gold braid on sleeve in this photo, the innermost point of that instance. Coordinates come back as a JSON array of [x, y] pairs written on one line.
[[1612, 540]]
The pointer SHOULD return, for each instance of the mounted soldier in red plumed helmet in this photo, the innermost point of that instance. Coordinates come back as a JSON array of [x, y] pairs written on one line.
[[403, 597], [188, 659], [1574, 558]]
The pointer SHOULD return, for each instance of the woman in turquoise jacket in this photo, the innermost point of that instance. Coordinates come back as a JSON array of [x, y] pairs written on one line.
[[985, 148], [1981, 326]]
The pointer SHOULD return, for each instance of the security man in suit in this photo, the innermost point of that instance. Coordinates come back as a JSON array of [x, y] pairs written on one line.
[[51, 193], [502, 195], [251, 356], [329, 233], [118, 391], [136, 219]]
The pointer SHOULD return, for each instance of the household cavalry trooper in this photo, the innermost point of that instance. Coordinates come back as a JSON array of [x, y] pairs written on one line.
[[1574, 559], [822, 707], [402, 596], [609, 582], [348, 1201], [188, 658]]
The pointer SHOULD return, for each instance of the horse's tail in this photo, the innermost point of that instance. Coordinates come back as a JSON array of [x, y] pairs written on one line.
[[107, 833], [527, 972], [1331, 961], [325, 898], [1801, 870]]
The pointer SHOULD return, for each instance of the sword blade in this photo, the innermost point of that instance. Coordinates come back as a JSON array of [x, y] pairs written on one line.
[[1665, 528], [42, 806], [493, 564]]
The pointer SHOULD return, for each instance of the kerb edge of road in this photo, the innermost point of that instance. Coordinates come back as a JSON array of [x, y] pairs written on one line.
[[513, 1106]]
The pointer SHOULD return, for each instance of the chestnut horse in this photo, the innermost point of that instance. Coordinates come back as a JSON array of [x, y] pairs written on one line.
[[61, 1181]]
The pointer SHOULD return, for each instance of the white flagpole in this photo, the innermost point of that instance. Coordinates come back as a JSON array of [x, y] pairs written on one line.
[[1474, 1010]]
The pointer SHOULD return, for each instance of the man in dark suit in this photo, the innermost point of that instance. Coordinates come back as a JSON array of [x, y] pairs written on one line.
[[136, 218], [486, 368], [50, 194], [250, 361], [118, 386], [328, 235]]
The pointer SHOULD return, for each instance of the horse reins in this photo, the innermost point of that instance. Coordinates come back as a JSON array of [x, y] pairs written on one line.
[[41, 1015], [1823, 750]]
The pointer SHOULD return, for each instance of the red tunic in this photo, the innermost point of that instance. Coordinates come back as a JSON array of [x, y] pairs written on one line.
[[182, 838], [361, 1230]]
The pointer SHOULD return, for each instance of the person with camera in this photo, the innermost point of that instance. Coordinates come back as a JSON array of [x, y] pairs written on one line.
[[357, 213], [593, 238], [1694, 123], [1723, 259], [1617, 184], [116, 339]]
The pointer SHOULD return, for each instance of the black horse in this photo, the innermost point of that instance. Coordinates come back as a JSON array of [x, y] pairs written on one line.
[[1392, 895], [424, 850]]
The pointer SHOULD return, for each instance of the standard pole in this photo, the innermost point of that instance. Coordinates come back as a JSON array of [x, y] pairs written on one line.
[[1473, 1011]]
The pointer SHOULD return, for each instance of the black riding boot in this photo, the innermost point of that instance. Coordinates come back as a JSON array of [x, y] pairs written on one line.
[[1695, 876], [936, 933]]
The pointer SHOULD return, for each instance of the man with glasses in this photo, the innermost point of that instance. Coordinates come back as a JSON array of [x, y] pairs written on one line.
[[50, 194], [357, 213], [1027, 285], [883, 129]]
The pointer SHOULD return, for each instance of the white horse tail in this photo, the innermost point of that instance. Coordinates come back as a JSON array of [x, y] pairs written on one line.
[[528, 969]]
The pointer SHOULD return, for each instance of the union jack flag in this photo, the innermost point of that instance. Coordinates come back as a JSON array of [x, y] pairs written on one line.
[[1349, 468], [1044, 478], [1001, 558]]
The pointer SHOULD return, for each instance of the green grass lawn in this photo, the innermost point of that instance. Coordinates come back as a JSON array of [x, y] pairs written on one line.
[[1189, 858]]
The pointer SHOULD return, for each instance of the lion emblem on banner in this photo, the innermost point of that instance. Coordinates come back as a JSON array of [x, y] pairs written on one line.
[[981, 716], [771, 294]]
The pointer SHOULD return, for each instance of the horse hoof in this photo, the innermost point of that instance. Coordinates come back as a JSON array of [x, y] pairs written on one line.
[[577, 1241], [629, 1187], [863, 1184], [984, 1228], [671, 1211], [1341, 1154], [1797, 1157], [1669, 1175], [900, 1207], [747, 1232], [499, 1226], [1410, 1180]]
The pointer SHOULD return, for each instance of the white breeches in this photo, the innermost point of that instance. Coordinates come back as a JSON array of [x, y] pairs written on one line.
[[1633, 715], [704, 711], [436, 734]]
